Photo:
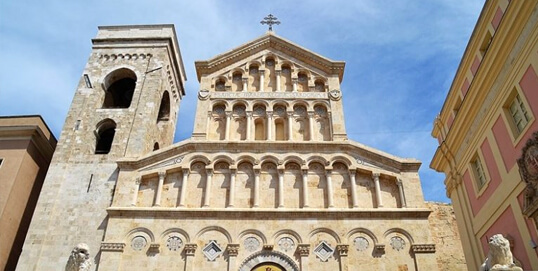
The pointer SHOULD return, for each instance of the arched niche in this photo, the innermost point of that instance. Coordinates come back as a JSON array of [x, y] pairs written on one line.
[[104, 135]]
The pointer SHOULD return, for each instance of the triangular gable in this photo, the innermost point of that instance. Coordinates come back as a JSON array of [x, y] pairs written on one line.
[[267, 41]]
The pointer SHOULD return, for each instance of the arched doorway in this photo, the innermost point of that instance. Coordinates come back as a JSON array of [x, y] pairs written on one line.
[[268, 261], [268, 267]]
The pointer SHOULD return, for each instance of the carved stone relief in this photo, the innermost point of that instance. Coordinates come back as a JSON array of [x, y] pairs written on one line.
[[397, 243], [361, 243], [174, 243], [286, 244], [139, 242], [212, 250], [251, 244], [323, 251]]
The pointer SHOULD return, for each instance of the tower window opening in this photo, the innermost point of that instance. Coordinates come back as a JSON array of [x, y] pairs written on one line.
[[104, 136], [119, 86], [164, 109]]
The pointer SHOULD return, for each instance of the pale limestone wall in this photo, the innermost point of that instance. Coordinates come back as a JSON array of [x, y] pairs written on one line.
[[446, 236], [268, 228]]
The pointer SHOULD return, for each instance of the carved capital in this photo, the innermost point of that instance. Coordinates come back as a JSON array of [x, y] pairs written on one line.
[[233, 250], [303, 250], [423, 248], [399, 182], [138, 180], [185, 171], [379, 249], [117, 247], [376, 175], [342, 249], [249, 114], [209, 171], [190, 249], [162, 174], [154, 247]]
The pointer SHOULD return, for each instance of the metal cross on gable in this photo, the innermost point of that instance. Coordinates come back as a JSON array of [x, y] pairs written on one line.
[[270, 20]]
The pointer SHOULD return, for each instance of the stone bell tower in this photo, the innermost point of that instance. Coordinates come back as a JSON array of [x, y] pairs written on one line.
[[125, 106]]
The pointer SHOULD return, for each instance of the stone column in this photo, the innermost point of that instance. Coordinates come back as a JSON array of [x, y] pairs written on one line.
[[233, 250], [262, 80], [207, 192], [328, 175], [304, 250], [342, 254], [305, 188], [256, 201], [280, 188], [249, 125], [294, 81], [277, 80], [245, 84], [290, 126], [353, 188], [330, 121], [311, 125], [208, 124], [270, 126], [375, 175], [189, 249], [402, 194], [136, 188], [159, 191], [182, 193], [228, 121], [232, 187]]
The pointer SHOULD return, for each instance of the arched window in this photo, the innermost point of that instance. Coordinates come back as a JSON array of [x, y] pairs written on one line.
[[156, 146], [164, 109], [119, 87], [104, 136]]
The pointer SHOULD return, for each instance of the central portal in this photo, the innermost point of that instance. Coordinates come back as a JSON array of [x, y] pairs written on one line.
[[268, 267]]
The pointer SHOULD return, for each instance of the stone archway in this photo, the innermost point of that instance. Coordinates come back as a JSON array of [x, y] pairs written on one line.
[[269, 259]]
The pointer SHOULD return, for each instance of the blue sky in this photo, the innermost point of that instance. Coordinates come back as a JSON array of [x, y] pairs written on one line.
[[401, 57]]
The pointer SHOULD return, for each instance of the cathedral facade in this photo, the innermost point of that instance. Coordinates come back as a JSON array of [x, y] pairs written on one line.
[[268, 180]]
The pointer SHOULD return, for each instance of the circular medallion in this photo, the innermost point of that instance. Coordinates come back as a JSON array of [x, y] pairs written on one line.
[[286, 244], [203, 94], [174, 243], [251, 244], [397, 243], [361, 243], [138, 243], [335, 94]]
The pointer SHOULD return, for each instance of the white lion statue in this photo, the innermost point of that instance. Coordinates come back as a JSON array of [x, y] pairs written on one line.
[[499, 255], [79, 260]]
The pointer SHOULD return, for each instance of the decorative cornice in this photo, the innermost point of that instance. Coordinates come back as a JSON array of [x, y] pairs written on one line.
[[423, 248], [117, 247], [256, 213]]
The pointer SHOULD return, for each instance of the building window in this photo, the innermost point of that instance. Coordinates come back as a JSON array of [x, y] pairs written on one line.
[[518, 114], [479, 173], [104, 134], [1, 161], [119, 87], [164, 109]]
